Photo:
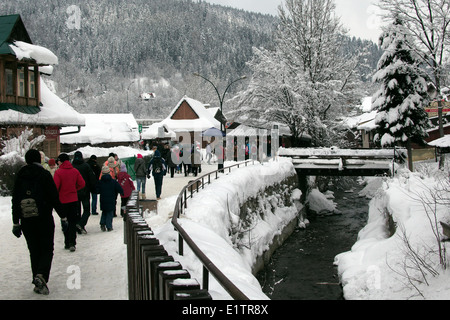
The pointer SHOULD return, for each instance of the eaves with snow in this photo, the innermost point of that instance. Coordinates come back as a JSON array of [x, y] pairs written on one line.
[[104, 128]]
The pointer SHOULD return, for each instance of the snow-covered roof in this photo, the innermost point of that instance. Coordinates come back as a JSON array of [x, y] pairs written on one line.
[[205, 119], [443, 142], [247, 131], [41, 55], [54, 111], [103, 128], [153, 132], [365, 121]]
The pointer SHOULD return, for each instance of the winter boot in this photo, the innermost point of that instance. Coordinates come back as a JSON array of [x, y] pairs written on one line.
[[140, 196], [144, 197], [40, 285]]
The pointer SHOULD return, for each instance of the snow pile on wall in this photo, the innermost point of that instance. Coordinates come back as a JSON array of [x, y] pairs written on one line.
[[214, 212], [379, 265]]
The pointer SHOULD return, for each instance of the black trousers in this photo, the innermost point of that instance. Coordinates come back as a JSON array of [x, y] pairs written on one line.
[[72, 213], [39, 234]]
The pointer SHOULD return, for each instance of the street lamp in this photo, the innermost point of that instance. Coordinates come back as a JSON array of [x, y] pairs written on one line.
[[221, 97], [128, 89]]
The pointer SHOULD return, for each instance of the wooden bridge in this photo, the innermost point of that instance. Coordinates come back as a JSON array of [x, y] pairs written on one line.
[[344, 162]]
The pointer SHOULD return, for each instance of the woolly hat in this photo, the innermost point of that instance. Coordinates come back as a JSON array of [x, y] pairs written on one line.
[[32, 156], [93, 157], [112, 162], [123, 167], [78, 156], [63, 157], [51, 162], [105, 170], [139, 156]]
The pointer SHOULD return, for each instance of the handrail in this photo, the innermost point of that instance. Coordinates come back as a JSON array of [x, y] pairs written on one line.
[[208, 265]]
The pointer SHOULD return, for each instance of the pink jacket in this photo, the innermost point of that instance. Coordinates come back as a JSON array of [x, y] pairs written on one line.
[[68, 181], [126, 183]]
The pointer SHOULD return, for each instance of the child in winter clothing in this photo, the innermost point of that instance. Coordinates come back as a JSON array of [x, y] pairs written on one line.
[[127, 185], [108, 188]]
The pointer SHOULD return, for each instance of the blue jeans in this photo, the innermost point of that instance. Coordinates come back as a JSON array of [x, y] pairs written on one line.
[[107, 219], [140, 181], [94, 197]]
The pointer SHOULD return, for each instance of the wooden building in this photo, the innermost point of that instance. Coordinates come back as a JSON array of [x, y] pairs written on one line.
[[25, 100]]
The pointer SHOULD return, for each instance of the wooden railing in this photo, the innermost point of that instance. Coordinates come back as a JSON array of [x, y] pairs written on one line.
[[183, 236]]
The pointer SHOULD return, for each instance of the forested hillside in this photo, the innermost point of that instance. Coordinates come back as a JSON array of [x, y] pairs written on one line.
[[121, 49]]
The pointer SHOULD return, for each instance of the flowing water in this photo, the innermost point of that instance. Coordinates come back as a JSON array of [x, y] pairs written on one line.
[[302, 269]]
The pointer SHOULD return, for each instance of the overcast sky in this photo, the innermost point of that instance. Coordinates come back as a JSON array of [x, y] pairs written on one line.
[[359, 16]]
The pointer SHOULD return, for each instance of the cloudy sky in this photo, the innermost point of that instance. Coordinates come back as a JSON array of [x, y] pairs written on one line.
[[359, 16]]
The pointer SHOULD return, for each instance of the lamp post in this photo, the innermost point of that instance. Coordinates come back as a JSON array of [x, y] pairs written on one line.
[[221, 97], [128, 90]]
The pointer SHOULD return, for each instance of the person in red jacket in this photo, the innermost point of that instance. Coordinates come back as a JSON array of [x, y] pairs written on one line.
[[127, 185], [68, 181]]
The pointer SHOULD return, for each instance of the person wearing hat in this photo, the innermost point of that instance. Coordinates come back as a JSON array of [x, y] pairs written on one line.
[[141, 176], [68, 182], [84, 195], [52, 165], [127, 184], [34, 197], [92, 162], [113, 166], [108, 189]]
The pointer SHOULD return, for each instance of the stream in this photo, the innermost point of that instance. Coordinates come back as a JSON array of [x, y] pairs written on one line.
[[302, 268]]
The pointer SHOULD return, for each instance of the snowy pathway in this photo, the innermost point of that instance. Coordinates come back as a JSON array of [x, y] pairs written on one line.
[[97, 270]]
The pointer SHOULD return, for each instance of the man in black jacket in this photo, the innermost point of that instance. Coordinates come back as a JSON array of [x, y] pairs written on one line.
[[92, 162], [33, 200], [84, 194]]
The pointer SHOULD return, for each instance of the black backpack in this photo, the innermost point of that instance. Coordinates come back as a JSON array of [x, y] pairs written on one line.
[[157, 165], [29, 199]]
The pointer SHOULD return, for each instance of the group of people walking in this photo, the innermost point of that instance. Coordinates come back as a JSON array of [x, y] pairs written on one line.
[[72, 189], [67, 188]]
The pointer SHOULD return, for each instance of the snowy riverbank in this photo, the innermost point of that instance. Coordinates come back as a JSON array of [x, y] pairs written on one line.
[[402, 230]]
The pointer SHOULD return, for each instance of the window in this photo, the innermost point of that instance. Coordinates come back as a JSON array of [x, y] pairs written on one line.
[[32, 85], [21, 81], [9, 82]]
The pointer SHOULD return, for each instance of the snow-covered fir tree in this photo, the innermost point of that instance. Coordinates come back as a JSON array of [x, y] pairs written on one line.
[[402, 96]]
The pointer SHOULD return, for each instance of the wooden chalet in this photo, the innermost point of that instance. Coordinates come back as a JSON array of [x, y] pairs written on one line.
[[25, 100], [189, 117]]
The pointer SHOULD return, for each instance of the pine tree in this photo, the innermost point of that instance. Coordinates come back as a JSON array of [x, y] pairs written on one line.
[[400, 101]]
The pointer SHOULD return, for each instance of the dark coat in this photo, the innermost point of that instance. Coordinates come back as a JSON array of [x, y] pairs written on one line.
[[47, 194], [157, 155], [88, 176], [95, 168], [140, 168], [108, 189]]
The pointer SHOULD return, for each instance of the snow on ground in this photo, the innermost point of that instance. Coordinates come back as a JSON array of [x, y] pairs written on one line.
[[372, 269], [379, 265], [98, 270]]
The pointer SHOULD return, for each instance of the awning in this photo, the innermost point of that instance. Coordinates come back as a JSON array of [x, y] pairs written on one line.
[[22, 109]]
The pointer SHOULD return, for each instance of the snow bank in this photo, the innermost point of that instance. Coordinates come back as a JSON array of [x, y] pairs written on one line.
[[214, 212], [375, 266]]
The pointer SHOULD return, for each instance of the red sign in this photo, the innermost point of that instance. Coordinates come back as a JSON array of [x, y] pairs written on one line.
[[51, 132]]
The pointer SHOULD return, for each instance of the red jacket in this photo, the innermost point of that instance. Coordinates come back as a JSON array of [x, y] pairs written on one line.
[[126, 183], [68, 181]]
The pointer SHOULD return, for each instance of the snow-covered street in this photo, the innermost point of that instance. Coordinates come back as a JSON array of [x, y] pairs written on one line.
[[97, 270]]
